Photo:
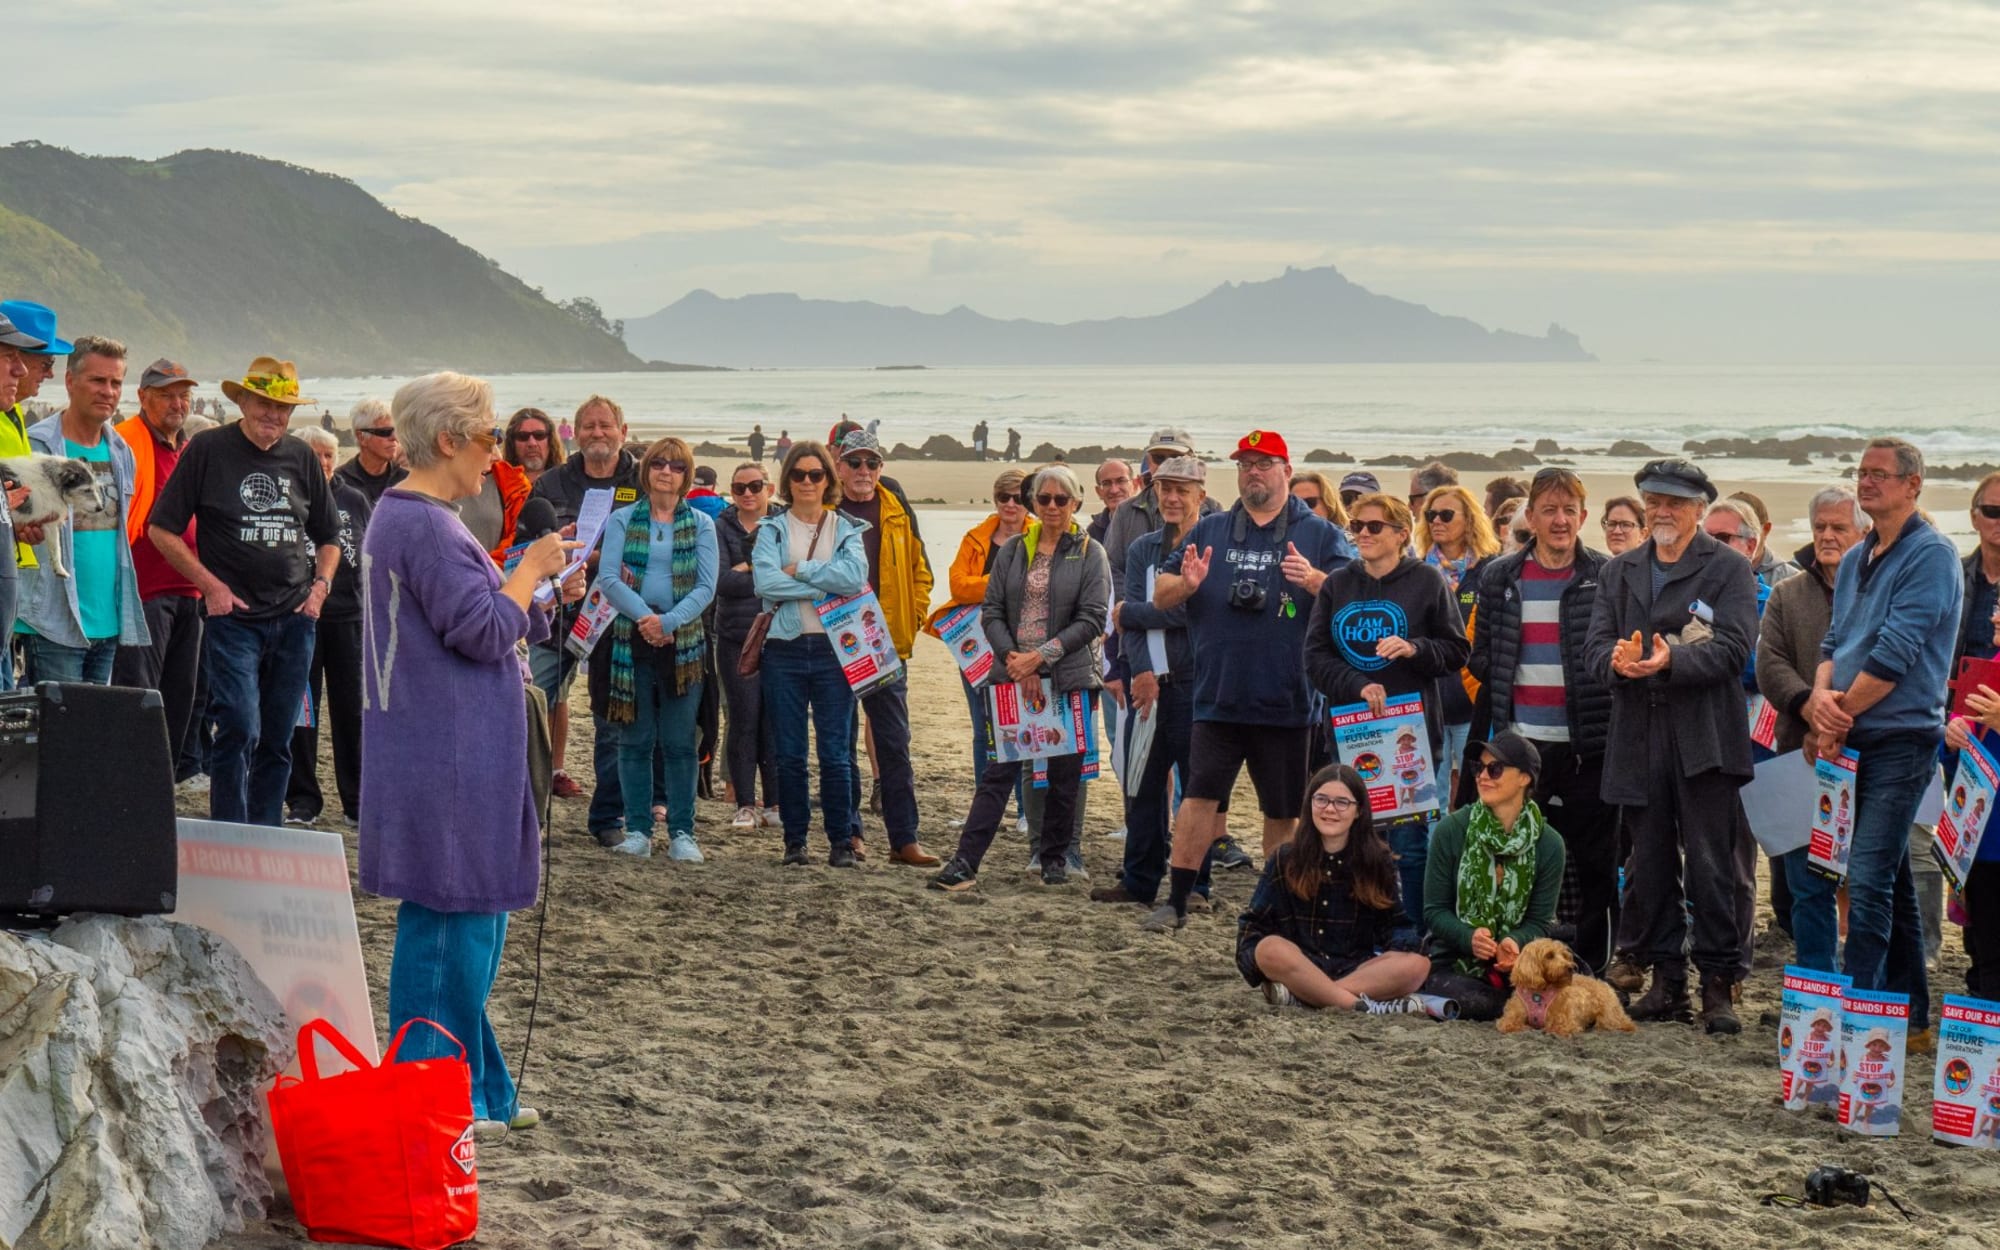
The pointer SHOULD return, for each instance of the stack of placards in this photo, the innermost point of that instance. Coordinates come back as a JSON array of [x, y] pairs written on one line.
[[1392, 752]]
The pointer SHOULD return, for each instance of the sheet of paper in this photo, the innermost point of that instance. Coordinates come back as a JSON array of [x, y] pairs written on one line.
[[1156, 639], [1776, 801], [590, 519]]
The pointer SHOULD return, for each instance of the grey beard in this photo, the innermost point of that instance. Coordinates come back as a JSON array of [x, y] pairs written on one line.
[[1666, 535]]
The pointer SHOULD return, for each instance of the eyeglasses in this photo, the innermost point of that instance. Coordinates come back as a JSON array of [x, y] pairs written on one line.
[[1492, 770], [661, 462], [1444, 516], [1001, 501], [1259, 464], [747, 488], [808, 475], [1371, 528], [1991, 511], [1620, 525], [1333, 803], [1053, 501], [870, 463], [381, 431], [526, 435], [1878, 476]]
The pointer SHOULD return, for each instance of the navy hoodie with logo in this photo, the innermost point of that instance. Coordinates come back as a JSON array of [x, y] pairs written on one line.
[[1356, 610], [1249, 667]]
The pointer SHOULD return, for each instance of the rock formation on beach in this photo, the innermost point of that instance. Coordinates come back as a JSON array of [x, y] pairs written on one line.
[[1304, 316], [134, 1058]]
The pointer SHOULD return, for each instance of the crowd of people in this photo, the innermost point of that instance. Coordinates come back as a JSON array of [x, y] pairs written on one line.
[[1589, 706]]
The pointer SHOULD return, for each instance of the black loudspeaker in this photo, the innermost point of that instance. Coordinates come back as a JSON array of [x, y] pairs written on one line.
[[86, 802]]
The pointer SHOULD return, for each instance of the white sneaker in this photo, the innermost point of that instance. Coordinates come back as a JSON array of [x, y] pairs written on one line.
[[524, 1118], [635, 844], [683, 849], [746, 818], [773, 818], [1117, 835], [487, 1130], [1409, 1005], [1278, 996], [1020, 824]]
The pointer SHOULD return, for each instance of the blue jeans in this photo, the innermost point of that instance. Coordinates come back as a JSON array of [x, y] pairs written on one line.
[[664, 724], [257, 676], [443, 970], [607, 796], [1410, 839], [1885, 931], [1451, 754], [1815, 914], [52, 661], [803, 679]]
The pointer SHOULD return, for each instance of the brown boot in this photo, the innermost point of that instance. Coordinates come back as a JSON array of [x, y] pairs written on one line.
[[1626, 975], [1667, 1000], [1718, 1005]]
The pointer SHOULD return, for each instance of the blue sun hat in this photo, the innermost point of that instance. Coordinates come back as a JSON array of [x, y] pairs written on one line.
[[36, 321]]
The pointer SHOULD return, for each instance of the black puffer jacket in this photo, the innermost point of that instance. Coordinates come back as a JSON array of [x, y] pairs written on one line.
[[1496, 652], [736, 602]]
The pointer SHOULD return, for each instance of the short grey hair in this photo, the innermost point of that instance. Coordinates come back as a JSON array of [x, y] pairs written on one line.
[[1838, 497], [367, 414], [1062, 475], [1741, 511], [439, 403], [317, 439], [1909, 461]]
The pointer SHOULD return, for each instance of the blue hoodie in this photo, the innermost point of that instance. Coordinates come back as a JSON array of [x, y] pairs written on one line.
[[1897, 619]]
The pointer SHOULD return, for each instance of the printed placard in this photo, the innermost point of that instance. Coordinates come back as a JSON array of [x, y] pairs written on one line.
[[593, 617], [857, 629], [1038, 776], [1763, 723], [1809, 1038], [1032, 722], [1955, 838], [1965, 1094], [965, 635], [1392, 752], [1833, 814], [1874, 1039]]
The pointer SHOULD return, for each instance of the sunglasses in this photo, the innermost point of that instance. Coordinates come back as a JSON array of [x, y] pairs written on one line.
[[808, 475], [661, 462], [1492, 770], [1053, 501], [1371, 528], [1441, 515], [1003, 500], [870, 463], [1524, 536], [385, 431], [1991, 511], [747, 488], [1310, 501], [525, 435], [490, 439], [1333, 803]]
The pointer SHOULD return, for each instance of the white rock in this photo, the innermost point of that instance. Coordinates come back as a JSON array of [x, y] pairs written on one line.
[[134, 1058]]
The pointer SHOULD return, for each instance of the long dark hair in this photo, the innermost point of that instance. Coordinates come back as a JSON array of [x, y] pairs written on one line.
[[1373, 863]]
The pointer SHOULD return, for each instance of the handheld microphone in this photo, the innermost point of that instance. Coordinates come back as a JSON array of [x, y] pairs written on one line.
[[538, 517]]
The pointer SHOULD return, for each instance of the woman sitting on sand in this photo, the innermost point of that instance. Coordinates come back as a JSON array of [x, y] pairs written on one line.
[[1490, 888], [1321, 930], [1046, 604]]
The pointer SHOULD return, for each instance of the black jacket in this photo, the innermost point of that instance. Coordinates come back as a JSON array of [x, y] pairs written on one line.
[[1137, 615], [564, 486], [1496, 652], [1699, 698], [1968, 641], [736, 602], [1079, 600], [1355, 609]]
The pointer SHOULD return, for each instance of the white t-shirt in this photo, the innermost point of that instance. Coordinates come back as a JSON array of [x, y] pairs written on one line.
[[798, 541]]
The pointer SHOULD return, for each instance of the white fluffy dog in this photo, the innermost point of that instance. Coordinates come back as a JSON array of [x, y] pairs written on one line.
[[56, 486]]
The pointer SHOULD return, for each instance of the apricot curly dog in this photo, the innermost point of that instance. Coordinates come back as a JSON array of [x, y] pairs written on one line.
[[1550, 996]]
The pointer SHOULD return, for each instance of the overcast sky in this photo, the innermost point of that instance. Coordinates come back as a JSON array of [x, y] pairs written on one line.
[[1688, 182]]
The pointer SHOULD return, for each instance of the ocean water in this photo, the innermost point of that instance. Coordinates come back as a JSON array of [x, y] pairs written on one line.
[[1950, 411]]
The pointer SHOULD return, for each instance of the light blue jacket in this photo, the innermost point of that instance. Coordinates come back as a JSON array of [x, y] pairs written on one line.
[[842, 571], [654, 596], [48, 603], [1897, 620]]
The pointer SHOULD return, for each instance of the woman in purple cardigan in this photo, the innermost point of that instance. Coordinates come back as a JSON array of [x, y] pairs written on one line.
[[448, 820]]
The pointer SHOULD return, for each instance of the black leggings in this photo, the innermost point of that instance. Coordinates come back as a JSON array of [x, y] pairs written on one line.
[[750, 763], [1477, 998]]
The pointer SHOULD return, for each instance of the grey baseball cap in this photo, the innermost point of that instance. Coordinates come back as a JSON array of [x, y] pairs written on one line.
[[860, 440], [1171, 438], [11, 337], [1363, 481], [164, 372]]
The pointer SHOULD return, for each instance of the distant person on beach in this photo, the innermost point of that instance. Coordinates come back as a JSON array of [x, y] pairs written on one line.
[[755, 442], [566, 431], [1491, 882], [1247, 577], [1795, 620], [979, 441], [900, 571], [1530, 625], [1674, 622], [1623, 524], [263, 581], [783, 447], [377, 462], [326, 419], [1387, 624], [1882, 689], [1046, 601], [1013, 452], [532, 444], [1325, 926]]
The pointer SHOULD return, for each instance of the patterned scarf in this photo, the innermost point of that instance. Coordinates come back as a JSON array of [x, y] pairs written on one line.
[[1497, 873], [690, 641]]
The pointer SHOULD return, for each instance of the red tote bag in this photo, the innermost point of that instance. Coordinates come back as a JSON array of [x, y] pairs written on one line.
[[379, 1155]]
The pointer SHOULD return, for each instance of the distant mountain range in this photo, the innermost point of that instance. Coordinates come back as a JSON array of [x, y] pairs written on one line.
[[217, 257], [1305, 316]]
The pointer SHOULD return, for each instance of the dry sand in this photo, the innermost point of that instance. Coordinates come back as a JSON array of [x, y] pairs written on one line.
[[736, 1055]]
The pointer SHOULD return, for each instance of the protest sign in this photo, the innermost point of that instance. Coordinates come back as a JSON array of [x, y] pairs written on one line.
[[1874, 1036], [854, 625], [965, 637], [1031, 721], [1809, 1037], [592, 619], [1833, 814], [1392, 752], [1965, 1094], [1955, 840], [1763, 723]]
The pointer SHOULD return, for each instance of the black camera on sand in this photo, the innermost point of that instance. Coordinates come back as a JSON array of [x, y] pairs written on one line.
[[1829, 1186], [1247, 594]]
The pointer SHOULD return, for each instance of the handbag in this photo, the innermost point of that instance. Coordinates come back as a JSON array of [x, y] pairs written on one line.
[[751, 657], [380, 1155]]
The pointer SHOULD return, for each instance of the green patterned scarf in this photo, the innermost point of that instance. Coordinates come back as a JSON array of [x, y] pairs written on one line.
[[690, 640], [1497, 872]]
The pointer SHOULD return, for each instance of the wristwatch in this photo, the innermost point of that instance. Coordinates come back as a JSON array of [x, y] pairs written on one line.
[[326, 582]]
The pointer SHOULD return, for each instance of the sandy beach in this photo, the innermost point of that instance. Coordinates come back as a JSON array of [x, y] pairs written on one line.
[[738, 1055]]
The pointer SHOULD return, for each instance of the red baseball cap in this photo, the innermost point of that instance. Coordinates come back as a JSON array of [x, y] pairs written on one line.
[[1262, 443]]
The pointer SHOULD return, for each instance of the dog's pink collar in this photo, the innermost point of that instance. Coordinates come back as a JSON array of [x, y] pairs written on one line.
[[1537, 1004]]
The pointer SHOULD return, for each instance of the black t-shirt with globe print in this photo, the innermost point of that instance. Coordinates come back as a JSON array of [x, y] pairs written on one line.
[[263, 514]]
